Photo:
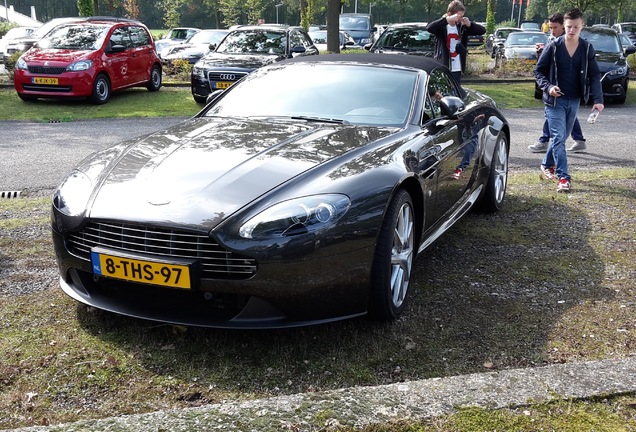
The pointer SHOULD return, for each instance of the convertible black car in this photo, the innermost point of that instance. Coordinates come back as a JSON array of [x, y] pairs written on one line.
[[276, 208]]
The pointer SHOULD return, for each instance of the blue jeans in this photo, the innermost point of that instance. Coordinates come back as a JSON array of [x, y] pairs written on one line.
[[577, 133], [561, 118]]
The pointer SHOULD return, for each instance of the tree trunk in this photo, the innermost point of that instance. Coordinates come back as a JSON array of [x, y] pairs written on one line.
[[333, 26]]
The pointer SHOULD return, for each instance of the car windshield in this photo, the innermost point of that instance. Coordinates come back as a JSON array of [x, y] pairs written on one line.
[[504, 33], [206, 37], [319, 37], [519, 38], [602, 42], [407, 39], [329, 92], [180, 34], [354, 23], [76, 37], [253, 42], [628, 28]]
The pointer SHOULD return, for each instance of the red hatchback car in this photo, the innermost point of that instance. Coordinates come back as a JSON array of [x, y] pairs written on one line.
[[89, 58]]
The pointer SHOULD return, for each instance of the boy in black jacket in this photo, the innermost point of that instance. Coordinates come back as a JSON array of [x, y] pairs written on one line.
[[451, 32]]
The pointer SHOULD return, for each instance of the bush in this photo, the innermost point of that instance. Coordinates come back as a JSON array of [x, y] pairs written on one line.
[[5, 27], [179, 70], [9, 63]]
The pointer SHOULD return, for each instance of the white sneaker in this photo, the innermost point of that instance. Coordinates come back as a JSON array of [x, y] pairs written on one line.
[[539, 147], [579, 145]]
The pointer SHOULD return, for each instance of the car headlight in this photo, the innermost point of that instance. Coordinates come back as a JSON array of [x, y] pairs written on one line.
[[364, 41], [21, 64], [81, 65], [72, 196], [618, 71], [297, 216], [198, 71]]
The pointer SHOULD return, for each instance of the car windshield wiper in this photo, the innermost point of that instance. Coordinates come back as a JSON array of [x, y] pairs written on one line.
[[320, 119]]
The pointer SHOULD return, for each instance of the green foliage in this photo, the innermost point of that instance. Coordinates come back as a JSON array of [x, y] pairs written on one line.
[[5, 27], [490, 18], [9, 63], [85, 8], [179, 70]]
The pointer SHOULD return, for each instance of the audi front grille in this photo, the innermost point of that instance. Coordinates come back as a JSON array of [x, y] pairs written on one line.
[[225, 76], [216, 262]]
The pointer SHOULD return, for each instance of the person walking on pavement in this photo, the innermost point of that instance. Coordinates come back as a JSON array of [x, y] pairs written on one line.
[[556, 28], [451, 33], [566, 72]]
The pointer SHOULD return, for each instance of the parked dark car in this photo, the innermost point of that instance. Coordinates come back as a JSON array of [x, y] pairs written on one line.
[[496, 40], [89, 59], [245, 49], [476, 40], [406, 38], [521, 46], [300, 195], [612, 61], [199, 45]]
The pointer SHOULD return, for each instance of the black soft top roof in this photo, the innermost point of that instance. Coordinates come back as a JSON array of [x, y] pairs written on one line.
[[418, 62]]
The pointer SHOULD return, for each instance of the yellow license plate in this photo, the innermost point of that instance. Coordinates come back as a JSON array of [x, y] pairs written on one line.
[[142, 271], [222, 84], [48, 81]]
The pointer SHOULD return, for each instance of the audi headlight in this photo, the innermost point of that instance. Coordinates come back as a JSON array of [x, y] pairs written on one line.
[[198, 71], [72, 196], [297, 216], [21, 64], [81, 65]]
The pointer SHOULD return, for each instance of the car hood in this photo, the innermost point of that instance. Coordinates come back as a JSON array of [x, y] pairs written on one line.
[[201, 171], [55, 55], [609, 61], [244, 61]]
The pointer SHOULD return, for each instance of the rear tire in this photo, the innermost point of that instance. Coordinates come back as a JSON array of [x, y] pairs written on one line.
[[493, 196], [155, 79], [393, 261], [101, 90]]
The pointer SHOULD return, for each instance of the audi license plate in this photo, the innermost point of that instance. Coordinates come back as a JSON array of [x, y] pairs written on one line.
[[149, 271], [221, 84], [44, 80]]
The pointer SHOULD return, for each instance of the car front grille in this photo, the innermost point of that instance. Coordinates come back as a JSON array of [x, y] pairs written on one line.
[[46, 70], [216, 262], [225, 76]]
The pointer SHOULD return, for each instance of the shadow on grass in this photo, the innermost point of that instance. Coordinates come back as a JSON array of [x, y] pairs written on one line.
[[486, 296]]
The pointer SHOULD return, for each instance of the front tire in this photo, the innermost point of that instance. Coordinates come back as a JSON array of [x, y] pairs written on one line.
[[27, 98], [101, 90], [155, 79], [493, 196], [393, 260]]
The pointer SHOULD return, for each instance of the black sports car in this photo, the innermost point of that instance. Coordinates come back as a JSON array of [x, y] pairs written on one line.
[[243, 50], [405, 38], [277, 208]]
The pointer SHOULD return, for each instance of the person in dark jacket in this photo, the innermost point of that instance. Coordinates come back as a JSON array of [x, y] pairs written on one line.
[[566, 72], [451, 33]]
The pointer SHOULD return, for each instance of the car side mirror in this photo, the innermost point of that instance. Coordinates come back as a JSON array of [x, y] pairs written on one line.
[[212, 47], [630, 50], [213, 96], [298, 50], [451, 105], [116, 49]]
